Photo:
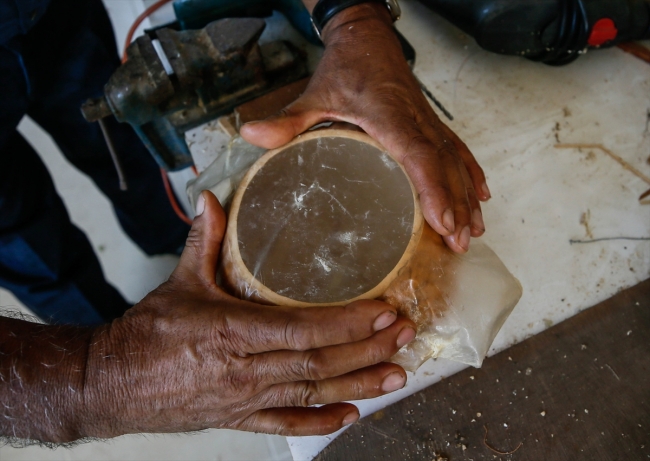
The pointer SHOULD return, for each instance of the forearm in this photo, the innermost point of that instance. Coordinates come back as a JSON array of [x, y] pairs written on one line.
[[42, 369]]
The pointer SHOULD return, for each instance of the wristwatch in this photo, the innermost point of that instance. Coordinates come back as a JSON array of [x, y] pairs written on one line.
[[327, 9]]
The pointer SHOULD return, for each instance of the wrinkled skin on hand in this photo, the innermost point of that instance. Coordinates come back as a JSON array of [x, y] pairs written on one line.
[[364, 79], [190, 357]]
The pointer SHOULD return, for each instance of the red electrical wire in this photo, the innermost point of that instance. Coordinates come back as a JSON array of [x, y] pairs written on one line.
[[172, 199], [129, 36]]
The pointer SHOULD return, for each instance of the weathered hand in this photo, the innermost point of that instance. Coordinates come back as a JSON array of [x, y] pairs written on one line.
[[189, 357], [363, 79]]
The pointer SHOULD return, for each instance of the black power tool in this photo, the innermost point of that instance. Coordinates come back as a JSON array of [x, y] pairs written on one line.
[[554, 32]]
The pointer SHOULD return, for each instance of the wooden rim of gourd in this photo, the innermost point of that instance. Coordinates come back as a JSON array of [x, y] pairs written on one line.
[[231, 245]]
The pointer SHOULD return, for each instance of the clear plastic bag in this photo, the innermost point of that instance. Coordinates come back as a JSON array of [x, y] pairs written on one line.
[[224, 174], [459, 302], [339, 221]]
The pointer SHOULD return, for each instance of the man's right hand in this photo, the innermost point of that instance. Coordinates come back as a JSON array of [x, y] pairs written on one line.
[[190, 357], [363, 79]]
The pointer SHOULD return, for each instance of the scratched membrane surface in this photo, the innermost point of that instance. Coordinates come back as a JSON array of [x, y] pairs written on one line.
[[325, 220]]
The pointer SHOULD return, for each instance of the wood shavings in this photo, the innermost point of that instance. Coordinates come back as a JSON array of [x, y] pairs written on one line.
[[616, 157], [574, 241], [637, 50], [494, 449], [644, 195]]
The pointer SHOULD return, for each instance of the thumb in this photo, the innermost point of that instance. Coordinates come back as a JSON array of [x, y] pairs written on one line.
[[203, 245], [279, 129]]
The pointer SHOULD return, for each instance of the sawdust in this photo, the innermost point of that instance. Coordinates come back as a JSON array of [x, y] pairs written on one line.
[[556, 133], [584, 220]]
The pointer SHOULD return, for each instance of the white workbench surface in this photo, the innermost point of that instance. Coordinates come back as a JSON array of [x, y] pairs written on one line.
[[509, 112]]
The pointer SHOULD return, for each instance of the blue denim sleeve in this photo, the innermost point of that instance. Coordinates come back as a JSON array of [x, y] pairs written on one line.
[[18, 16]]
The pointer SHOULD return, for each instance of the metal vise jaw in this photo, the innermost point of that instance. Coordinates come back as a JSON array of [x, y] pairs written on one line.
[[210, 72]]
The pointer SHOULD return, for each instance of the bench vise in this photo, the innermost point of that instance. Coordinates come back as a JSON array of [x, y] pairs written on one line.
[[173, 81]]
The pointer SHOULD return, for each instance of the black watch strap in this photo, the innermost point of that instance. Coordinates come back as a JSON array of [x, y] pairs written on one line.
[[327, 9]]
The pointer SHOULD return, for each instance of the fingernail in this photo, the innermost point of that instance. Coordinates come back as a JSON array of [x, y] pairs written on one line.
[[255, 122], [486, 190], [448, 220], [405, 336], [350, 418], [384, 320], [200, 205], [477, 219], [463, 238], [392, 382]]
